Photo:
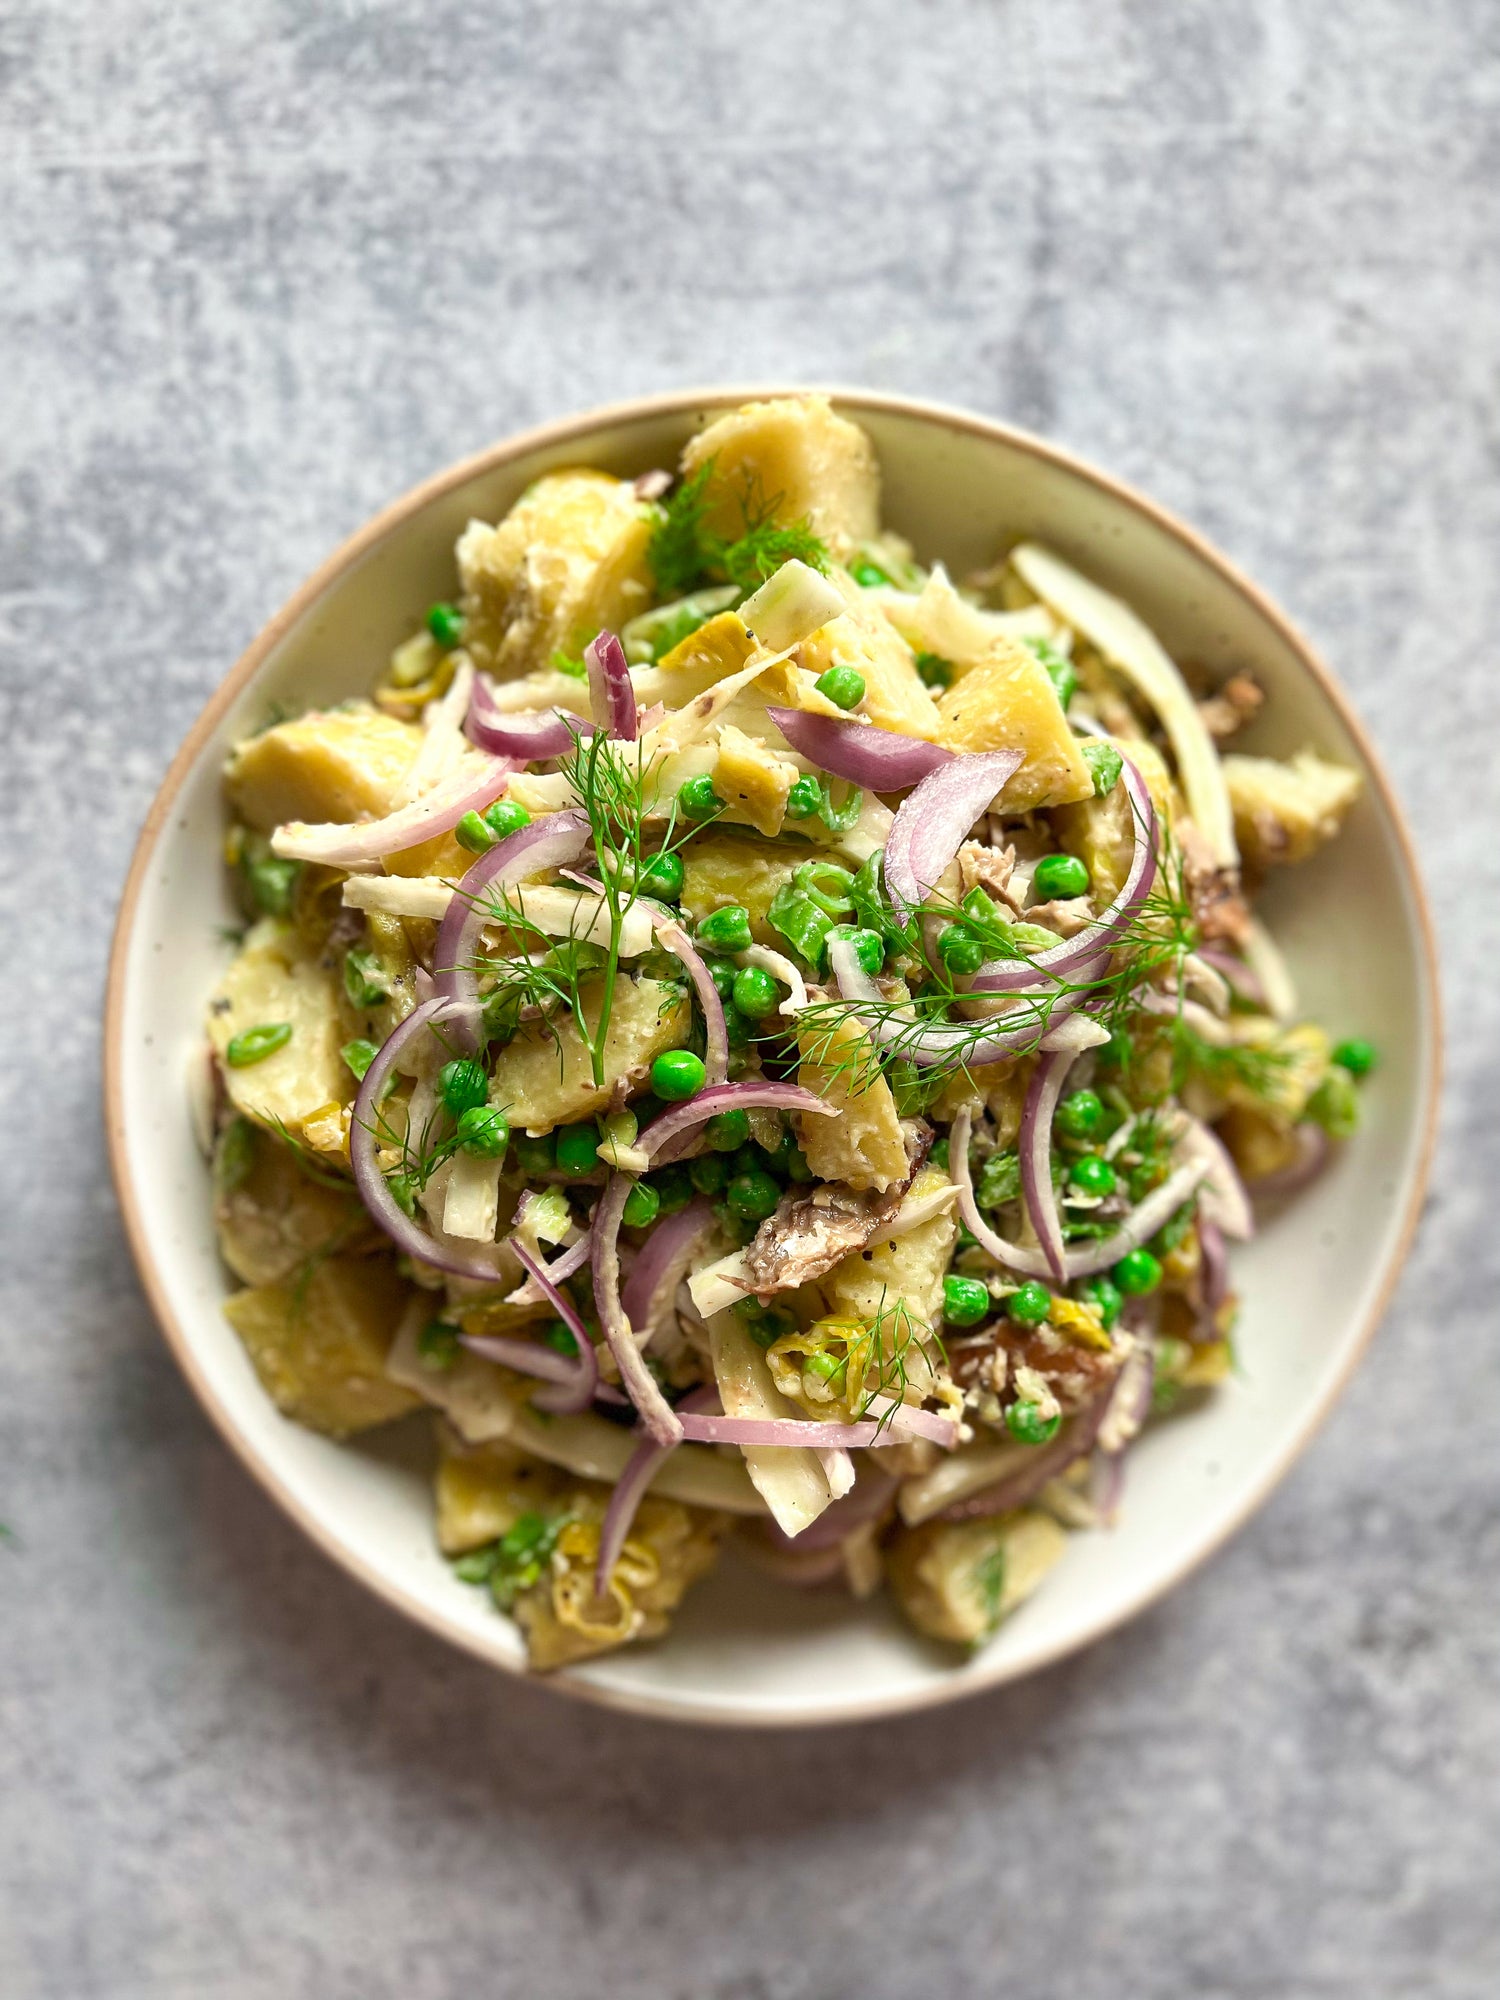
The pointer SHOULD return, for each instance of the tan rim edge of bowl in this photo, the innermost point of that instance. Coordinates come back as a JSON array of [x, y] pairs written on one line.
[[358, 544]]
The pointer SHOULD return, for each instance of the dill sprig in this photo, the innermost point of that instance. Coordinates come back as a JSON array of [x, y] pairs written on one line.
[[684, 551]]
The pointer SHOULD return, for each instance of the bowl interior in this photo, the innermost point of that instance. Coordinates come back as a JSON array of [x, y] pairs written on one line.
[[1313, 1283]]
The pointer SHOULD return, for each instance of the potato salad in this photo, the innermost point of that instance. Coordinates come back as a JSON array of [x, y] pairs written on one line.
[[760, 1046]]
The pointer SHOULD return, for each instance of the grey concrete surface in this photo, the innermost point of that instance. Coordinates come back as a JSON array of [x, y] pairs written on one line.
[[262, 266]]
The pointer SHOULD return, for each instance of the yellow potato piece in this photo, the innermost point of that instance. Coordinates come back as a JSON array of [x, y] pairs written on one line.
[[752, 781], [541, 1080], [341, 766], [272, 981], [568, 559], [910, 1269], [1007, 702], [278, 1215], [319, 1343], [956, 1580], [865, 639], [481, 1490], [721, 869], [796, 457], [1284, 812], [862, 1144]]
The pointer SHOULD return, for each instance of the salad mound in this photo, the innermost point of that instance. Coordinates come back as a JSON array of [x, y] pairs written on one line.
[[761, 1043]]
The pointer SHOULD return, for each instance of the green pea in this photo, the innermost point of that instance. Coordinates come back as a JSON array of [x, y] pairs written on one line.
[[824, 1366], [358, 1055], [752, 1196], [960, 950], [1106, 1295], [938, 1156], [677, 1075], [403, 1192], [255, 1044], [1335, 1103], [867, 574], [673, 1188], [727, 929], [505, 817], [364, 978], [1059, 875], [577, 1149], [736, 1027], [1137, 1273], [1093, 1174], [966, 1301], [1105, 764], [869, 952], [1080, 1114], [708, 1173], [437, 1344], [698, 799], [934, 671], [727, 1131], [560, 1337], [1356, 1055], [474, 834], [272, 881], [1027, 1425], [764, 1324], [536, 1156], [662, 877], [1029, 1304], [722, 971], [843, 686], [484, 1131], [446, 624], [756, 993], [642, 1206], [462, 1084], [794, 1165], [803, 800]]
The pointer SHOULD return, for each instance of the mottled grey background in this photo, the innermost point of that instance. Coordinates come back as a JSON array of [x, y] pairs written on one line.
[[262, 266]]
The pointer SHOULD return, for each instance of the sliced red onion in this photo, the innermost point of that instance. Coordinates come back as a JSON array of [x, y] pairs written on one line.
[[797, 1432], [551, 842], [1042, 1095], [1243, 981], [877, 760], [610, 688], [640, 1383], [438, 811], [583, 1377], [727, 1097], [1214, 1271], [663, 1259], [716, 1031], [1144, 1220], [530, 737], [933, 821], [1314, 1150], [573, 1259], [1060, 960], [940, 1041], [364, 1124], [630, 1489], [1223, 1199], [1125, 1411], [1045, 1462], [1017, 1256]]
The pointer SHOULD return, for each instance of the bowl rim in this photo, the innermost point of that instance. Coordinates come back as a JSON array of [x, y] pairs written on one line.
[[561, 431]]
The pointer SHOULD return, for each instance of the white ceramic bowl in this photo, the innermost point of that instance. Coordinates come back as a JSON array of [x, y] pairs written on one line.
[[744, 1650]]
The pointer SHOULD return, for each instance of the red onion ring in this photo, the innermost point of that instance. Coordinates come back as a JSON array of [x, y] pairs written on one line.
[[583, 1375], [630, 1490], [878, 760], [551, 842], [1016, 1256], [795, 1432], [672, 1241], [640, 1384], [1060, 960], [531, 737], [1223, 1199], [610, 688], [933, 821], [1042, 1095], [727, 1097], [716, 1030], [404, 1231], [1243, 980], [437, 811]]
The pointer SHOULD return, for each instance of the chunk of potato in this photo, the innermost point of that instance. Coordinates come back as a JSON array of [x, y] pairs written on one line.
[[956, 1580], [1000, 1087], [346, 764], [1006, 701], [542, 1078], [862, 1144], [568, 559], [272, 980], [277, 1216], [865, 639], [796, 457], [720, 869], [753, 782], [319, 1344], [1285, 812], [482, 1490], [910, 1269]]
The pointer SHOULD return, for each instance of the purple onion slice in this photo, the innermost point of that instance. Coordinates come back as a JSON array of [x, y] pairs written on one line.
[[877, 760], [640, 1384], [437, 811], [933, 821], [673, 1240], [529, 737], [610, 688]]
